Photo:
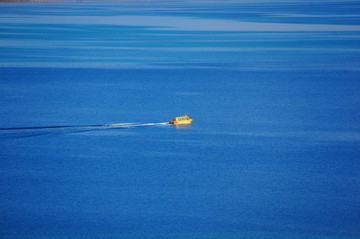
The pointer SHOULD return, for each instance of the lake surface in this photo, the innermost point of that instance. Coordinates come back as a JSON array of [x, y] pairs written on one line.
[[273, 151]]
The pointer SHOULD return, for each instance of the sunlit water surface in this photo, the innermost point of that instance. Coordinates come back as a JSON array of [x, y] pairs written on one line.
[[273, 89]]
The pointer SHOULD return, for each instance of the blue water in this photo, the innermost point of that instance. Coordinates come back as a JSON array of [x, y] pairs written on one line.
[[273, 88]]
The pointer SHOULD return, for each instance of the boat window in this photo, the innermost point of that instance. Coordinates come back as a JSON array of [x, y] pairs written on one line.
[[183, 118]]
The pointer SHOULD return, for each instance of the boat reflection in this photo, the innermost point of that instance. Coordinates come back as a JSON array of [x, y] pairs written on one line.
[[182, 126]]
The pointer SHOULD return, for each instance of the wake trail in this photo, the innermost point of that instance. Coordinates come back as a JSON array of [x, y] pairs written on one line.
[[41, 130]]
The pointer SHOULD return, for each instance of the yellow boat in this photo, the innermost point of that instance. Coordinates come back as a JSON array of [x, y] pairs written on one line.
[[181, 120]]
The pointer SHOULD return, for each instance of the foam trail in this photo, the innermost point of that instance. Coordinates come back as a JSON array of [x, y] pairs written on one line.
[[41, 130], [126, 125]]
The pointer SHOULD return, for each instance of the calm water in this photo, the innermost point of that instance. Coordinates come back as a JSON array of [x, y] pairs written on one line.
[[273, 89]]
